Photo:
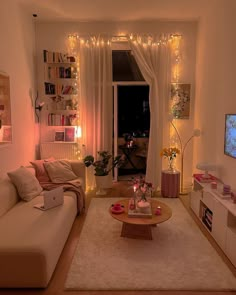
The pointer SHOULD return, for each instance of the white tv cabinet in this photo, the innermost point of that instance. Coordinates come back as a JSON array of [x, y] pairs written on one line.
[[218, 213]]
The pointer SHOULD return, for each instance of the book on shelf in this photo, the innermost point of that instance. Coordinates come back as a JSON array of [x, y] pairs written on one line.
[[49, 88], [58, 120], [56, 57], [201, 178]]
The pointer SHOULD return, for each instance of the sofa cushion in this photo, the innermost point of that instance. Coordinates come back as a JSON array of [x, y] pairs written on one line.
[[8, 195], [41, 173], [32, 241], [26, 183], [60, 171]]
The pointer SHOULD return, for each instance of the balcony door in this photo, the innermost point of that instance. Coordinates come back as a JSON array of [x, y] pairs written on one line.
[[131, 121]]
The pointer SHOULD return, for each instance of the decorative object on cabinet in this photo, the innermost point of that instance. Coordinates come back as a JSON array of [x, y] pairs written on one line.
[[205, 166], [5, 107], [196, 133], [200, 178], [180, 100]]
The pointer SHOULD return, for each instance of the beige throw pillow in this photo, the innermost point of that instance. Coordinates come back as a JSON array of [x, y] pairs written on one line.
[[59, 171], [26, 183]]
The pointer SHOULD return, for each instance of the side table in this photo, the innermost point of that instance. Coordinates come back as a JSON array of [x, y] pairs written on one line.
[[170, 183]]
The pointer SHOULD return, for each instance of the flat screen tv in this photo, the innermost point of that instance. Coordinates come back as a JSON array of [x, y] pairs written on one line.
[[230, 135]]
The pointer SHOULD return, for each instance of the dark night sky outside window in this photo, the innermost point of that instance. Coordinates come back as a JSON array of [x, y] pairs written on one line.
[[133, 100]]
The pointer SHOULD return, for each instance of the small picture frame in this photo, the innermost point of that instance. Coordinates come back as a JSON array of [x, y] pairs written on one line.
[[6, 135], [69, 134], [60, 135]]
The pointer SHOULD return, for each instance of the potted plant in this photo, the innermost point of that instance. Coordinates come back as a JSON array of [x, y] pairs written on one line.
[[103, 166]]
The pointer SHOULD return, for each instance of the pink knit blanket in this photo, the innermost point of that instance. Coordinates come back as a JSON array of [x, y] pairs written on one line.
[[73, 186]]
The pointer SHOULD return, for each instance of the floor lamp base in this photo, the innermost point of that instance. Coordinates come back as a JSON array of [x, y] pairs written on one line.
[[184, 191]]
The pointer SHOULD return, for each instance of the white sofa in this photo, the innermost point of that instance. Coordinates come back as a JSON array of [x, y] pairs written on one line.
[[32, 240]]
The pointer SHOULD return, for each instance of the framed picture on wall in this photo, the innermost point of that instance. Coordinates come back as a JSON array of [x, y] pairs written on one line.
[[180, 100], [6, 134], [5, 109], [70, 134], [60, 135]]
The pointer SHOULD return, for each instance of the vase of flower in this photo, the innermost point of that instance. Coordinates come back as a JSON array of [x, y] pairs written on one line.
[[170, 154], [142, 189], [171, 166]]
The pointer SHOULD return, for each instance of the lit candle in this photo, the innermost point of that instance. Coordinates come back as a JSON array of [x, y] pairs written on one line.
[[135, 188]]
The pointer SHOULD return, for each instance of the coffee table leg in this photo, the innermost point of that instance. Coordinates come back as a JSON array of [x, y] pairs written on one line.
[[134, 231]]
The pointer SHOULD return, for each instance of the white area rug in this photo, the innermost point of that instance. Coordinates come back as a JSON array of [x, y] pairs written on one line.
[[178, 258]]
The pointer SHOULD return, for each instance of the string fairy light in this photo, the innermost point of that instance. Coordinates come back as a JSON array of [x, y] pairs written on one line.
[[75, 42], [73, 50]]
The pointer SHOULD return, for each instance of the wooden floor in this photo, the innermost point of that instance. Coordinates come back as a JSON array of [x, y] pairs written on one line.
[[56, 285]]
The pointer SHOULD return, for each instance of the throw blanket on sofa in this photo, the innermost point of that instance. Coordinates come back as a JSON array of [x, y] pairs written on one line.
[[73, 186]]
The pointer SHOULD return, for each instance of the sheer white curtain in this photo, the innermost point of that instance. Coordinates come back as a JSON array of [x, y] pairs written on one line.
[[96, 106], [154, 63]]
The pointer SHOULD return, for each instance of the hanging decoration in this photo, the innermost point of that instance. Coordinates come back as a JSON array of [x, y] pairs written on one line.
[[174, 89], [73, 51]]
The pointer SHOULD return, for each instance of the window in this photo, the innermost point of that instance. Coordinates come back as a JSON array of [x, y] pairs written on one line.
[[133, 110], [125, 67]]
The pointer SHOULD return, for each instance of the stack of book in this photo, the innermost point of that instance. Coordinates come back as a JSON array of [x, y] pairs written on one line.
[[207, 218], [201, 178]]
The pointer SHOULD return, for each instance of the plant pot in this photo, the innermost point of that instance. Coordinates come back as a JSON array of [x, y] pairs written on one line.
[[103, 182]]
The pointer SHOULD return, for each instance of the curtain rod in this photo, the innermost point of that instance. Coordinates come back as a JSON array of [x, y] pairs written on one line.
[[117, 36]]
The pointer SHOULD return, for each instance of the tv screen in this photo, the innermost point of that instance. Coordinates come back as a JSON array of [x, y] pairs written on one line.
[[230, 135]]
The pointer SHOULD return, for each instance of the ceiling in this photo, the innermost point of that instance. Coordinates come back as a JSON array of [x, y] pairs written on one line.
[[110, 10]]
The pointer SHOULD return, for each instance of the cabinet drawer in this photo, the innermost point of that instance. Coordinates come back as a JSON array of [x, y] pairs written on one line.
[[219, 224], [208, 200], [230, 245], [195, 197]]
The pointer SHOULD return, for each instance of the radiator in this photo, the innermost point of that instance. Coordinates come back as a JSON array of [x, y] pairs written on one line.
[[59, 150]]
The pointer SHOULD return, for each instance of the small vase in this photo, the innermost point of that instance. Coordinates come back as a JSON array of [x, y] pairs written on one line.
[[71, 120], [171, 166]]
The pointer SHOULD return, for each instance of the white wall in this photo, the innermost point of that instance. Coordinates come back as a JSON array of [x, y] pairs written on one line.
[[17, 54], [215, 95], [53, 36], [215, 76]]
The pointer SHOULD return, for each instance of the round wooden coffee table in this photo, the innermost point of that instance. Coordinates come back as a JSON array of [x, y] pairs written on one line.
[[140, 227]]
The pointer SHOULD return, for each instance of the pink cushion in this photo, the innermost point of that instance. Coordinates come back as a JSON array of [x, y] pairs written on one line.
[[41, 173]]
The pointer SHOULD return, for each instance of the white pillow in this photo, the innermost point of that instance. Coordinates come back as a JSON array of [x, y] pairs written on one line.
[[59, 171], [26, 183]]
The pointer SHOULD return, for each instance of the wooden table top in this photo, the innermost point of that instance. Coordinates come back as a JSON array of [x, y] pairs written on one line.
[[166, 213]]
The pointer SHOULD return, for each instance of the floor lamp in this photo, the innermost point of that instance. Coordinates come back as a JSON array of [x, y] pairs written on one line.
[[196, 133]]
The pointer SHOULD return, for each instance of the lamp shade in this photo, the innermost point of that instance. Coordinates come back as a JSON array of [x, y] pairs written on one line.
[[205, 166]]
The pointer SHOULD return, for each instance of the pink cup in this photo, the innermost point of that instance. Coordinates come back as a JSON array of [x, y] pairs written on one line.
[[117, 207]]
